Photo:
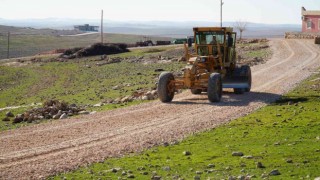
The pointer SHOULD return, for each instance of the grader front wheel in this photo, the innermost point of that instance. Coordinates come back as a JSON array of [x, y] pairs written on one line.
[[215, 87], [165, 87]]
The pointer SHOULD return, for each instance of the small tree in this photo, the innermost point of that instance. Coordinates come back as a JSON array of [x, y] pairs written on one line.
[[240, 26]]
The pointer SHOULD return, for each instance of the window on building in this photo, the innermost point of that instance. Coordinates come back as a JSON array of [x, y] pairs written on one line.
[[309, 24]]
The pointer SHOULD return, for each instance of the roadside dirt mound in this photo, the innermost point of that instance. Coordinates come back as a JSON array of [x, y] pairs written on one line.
[[94, 50]]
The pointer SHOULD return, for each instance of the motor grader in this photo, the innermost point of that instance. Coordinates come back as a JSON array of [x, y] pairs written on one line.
[[211, 68]]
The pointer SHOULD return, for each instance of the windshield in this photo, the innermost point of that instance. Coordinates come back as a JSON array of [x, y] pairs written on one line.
[[204, 38]]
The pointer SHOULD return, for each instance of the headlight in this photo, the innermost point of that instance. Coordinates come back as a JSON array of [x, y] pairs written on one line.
[[203, 59]]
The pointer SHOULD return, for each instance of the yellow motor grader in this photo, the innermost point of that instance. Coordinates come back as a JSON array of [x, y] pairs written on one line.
[[210, 69]]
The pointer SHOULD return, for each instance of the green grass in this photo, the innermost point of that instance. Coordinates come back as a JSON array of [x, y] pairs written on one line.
[[262, 53], [273, 135], [74, 82]]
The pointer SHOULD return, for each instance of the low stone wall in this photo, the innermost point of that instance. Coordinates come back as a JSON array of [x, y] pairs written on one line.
[[300, 35]]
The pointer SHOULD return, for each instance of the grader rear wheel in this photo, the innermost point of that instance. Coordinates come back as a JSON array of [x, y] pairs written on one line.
[[215, 87], [247, 72], [247, 69], [165, 87]]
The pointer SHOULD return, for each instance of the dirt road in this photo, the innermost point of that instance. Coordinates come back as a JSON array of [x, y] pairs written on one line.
[[45, 149]]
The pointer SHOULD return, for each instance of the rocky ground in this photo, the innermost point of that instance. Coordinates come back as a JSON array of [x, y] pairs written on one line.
[[35, 152], [153, 55]]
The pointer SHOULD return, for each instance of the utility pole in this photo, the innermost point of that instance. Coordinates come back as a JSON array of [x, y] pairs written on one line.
[[8, 51], [101, 26], [221, 4]]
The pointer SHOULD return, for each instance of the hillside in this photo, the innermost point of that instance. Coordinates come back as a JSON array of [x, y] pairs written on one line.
[[31, 41]]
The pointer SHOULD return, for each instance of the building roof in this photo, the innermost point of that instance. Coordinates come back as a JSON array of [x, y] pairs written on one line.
[[304, 12]]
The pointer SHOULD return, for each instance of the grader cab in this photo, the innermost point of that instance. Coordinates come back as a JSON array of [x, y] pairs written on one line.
[[211, 69]]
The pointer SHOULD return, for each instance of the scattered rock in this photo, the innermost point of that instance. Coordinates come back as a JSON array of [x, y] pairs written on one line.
[[145, 98], [129, 171], [196, 178], [114, 170], [237, 154], [275, 173], [186, 153], [6, 119], [277, 144], [156, 178], [166, 168], [141, 168], [198, 172], [9, 114], [260, 165], [210, 171], [145, 173], [130, 176], [247, 157], [116, 87], [241, 177], [211, 166], [18, 119], [98, 105], [57, 116], [127, 99], [64, 116], [289, 161], [50, 109], [117, 101], [83, 112]]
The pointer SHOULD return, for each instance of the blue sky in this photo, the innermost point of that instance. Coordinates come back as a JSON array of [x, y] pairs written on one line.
[[259, 11]]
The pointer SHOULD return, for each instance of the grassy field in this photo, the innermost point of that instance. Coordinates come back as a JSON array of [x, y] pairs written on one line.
[[283, 136], [78, 81], [30, 44]]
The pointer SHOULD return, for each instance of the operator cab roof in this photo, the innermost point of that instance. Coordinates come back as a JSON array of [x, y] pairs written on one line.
[[213, 29]]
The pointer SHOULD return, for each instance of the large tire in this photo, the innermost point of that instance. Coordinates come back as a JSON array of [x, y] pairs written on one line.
[[196, 91], [164, 92], [247, 69], [215, 87]]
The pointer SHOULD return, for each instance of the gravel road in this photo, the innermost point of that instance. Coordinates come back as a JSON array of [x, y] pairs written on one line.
[[35, 152]]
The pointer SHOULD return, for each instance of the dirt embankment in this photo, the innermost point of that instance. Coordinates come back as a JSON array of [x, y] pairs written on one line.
[[38, 151]]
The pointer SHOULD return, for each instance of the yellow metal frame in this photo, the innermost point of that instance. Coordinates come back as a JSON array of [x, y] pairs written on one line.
[[197, 72]]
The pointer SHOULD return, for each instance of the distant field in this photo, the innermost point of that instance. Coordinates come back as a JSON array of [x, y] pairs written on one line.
[[28, 42]]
